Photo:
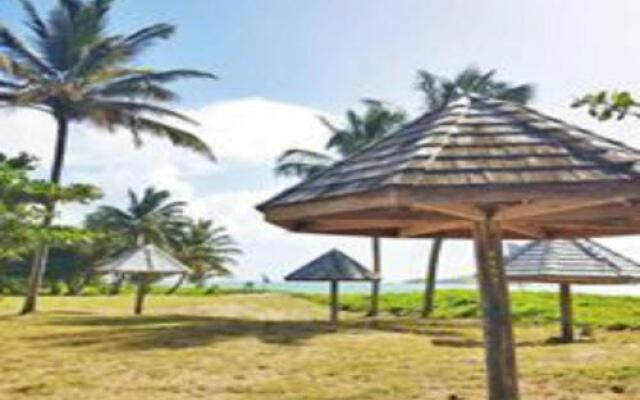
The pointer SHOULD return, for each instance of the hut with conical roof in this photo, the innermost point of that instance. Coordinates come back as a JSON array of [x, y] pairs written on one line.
[[483, 169], [142, 265], [333, 266], [567, 262]]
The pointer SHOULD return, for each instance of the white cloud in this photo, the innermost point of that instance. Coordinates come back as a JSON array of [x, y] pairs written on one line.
[[256, 130]]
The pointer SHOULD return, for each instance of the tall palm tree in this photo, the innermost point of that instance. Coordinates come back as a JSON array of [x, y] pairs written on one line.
[[440, 91], [377, 121], [76, 71], [206, 249]]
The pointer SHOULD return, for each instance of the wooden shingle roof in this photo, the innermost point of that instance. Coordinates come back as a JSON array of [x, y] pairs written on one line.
[[147, 259], [332, 266], [475, 141], [571, 261], [475, 156]]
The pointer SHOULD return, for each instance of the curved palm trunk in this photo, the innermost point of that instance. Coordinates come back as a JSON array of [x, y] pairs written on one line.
[[430, 282], [41, 256], [177, 285]]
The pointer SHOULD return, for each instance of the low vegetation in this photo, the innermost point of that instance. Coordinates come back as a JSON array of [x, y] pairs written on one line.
[[267, 346], [612, 312]]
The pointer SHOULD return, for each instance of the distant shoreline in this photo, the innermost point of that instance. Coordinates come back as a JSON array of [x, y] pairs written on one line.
[[407, 287]]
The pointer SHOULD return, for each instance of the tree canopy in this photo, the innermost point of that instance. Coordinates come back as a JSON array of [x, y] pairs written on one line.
[[440, 91]]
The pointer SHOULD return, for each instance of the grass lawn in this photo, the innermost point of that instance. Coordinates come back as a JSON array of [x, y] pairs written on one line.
[[268, 346]]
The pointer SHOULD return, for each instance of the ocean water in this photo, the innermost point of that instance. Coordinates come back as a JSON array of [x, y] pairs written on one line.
[[399, 287]]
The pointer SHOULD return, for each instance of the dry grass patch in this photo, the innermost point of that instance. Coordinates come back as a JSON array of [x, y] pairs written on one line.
[[268, 346]]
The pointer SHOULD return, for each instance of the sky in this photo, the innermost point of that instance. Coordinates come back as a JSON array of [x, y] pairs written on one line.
[[282, 63]]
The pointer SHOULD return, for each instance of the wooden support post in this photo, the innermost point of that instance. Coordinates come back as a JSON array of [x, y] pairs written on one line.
[[498, 330], [334, 302], [566, 313], [374, 307], [140, 293], [430, 278]]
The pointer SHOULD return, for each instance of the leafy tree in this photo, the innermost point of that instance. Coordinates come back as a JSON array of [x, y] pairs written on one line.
[[605, 105], [23, 208], [77, 71], [208, 250], [377, 121], [440, 91]]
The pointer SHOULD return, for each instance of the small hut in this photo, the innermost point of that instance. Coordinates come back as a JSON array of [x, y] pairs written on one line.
[[142, 265], [333, 266], [566, 262]]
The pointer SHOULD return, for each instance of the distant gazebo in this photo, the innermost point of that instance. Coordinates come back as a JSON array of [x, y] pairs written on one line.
[[333, 266], [566, 262], [142, 265]]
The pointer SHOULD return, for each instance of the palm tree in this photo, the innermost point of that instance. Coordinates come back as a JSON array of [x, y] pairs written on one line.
[[149, 218], [376, 122], [76, 71], [208, 250], [439, 91]]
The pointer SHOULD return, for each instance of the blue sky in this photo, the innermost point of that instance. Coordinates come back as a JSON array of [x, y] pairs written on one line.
[[282, 62]]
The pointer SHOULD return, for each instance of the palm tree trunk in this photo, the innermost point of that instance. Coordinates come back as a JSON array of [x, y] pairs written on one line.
[[375, 284], [41, 256], [177, 285], [430, 282]]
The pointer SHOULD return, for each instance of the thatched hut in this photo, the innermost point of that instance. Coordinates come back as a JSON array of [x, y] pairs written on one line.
[[482, 169], [142, 265], [567, 262], [334, 267]]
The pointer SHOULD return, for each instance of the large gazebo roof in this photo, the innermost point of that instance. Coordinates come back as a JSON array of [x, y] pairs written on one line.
[[570, 261], [146, 259], [332, 266], [539, 176]]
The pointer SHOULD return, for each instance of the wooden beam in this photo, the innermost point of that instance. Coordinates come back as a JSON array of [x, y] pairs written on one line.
[[427, 229], [462, 211], [325, 207], [538, 208], [566, 312], [430, 278], [349, 224], [498, 330], [528, 231]]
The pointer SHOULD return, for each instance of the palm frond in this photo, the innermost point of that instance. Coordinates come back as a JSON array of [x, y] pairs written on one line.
[[16, 48], [176, 136], [157, 77], [140, 40], [134, 108], [10, 85], [14, 69], [35, 22]]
